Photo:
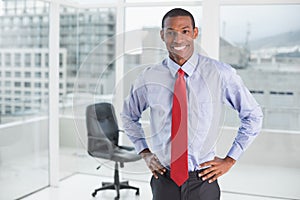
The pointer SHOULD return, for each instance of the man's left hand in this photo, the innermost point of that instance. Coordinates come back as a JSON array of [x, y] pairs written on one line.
[[216, 168]]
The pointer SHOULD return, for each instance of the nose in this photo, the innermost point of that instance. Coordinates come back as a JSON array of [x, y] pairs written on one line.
[[178, 37]]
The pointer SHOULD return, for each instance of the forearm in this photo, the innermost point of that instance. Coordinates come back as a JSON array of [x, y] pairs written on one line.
[[250, 127]]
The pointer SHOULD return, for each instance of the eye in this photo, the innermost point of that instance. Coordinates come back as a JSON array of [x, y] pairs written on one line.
[[185, 31], [171, 33]]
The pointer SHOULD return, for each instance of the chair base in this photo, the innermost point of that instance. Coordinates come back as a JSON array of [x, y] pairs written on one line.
[[112, 186], [117, 185]]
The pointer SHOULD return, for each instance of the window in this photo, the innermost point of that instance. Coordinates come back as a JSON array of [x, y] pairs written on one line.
[[7, 74], [18, 92], [27, 84], [17, 59], [47, 60], [37, 85], [27, 74], [60, 60], [17, 84], [27, 60], [17, 74], [7, 59], [7, 84], [18, 108], [8, 109], [37, 74], [38, 59], [20, 38], [262, 49], [27, 93]]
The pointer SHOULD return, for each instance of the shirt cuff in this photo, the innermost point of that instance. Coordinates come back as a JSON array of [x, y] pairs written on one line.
[[235, 152], [140, 145]]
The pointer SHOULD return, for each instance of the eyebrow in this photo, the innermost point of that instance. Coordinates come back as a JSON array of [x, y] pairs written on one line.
[[181, 28]]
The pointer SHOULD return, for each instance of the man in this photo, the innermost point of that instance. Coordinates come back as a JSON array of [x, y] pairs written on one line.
[[185, 94]]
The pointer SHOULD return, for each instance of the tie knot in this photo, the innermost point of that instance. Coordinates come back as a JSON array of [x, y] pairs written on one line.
[[181, 72]]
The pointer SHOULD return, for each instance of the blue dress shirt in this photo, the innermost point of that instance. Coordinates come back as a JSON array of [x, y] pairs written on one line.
[[210, 84]]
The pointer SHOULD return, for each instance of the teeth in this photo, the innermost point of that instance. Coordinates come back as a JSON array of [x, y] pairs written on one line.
[[179, 48]]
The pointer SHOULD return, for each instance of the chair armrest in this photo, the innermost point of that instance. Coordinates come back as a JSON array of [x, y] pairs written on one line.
[[128, 148]]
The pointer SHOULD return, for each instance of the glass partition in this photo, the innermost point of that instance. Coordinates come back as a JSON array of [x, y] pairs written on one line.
[[87, 48], [262, 43], [24, 27]]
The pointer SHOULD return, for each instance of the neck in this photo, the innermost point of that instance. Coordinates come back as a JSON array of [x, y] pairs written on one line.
[[179, 60]]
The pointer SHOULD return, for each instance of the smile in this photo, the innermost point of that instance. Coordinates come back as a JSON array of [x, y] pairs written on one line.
[[179, 48]]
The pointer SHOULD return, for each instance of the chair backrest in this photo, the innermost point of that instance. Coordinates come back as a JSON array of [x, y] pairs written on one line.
[[101, 124]]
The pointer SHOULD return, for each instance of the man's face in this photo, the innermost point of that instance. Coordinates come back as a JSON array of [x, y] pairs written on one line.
[[178, 35]]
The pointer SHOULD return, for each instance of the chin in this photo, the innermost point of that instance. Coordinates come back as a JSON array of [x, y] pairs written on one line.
[[182, 55]]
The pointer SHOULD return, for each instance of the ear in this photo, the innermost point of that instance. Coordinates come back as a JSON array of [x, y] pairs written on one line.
[[162, 35], [196, 31]]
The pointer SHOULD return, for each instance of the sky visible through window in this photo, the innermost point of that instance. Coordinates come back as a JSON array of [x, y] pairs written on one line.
[[261, 21]]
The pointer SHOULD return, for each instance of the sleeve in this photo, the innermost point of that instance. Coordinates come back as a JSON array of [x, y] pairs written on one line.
[[239, 98], [134, 105]]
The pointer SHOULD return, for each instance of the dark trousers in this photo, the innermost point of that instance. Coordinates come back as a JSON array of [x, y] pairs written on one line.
[[164, 188]]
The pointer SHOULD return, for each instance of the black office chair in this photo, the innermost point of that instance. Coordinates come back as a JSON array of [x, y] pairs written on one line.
[[103, 136]]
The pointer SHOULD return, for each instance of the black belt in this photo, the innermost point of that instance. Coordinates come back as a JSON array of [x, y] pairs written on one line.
[[192, 174]]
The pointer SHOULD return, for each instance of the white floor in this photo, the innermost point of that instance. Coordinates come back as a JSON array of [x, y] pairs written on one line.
[[80, 186], [79, 178]]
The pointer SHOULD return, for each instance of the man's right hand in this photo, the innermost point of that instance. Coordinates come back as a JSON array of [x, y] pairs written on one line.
[[152, 163]]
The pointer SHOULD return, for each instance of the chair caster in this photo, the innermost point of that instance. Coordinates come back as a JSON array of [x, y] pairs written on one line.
[[137, 192], [94, 194]]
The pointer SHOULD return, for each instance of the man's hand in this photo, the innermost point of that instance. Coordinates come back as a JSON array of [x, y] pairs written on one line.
[[152, 163], [216, 168]]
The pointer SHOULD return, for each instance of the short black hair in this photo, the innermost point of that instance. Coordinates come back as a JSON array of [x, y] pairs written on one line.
[[178, 12]]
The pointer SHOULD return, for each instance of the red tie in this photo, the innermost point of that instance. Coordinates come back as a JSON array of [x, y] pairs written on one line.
[[179, 163]]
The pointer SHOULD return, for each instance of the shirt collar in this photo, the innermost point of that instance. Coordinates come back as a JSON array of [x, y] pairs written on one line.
[[188, 67]]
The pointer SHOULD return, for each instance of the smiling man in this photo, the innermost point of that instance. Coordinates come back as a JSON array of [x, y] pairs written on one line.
[[178, 33], [186, 93]]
